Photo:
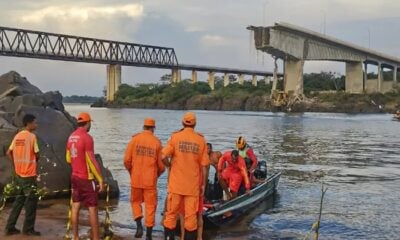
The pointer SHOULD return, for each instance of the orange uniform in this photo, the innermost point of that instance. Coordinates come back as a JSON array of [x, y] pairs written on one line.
[[143, 161], [24, 148], [234, 173], [189, 154]]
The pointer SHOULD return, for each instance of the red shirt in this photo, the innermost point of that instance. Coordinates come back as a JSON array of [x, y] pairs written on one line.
[[80, 154]]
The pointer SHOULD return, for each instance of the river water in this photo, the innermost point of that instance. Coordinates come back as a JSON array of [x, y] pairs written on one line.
[[355, 156]]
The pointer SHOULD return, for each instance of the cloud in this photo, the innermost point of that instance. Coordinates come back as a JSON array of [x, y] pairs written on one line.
[[82, 13], [215, 40]]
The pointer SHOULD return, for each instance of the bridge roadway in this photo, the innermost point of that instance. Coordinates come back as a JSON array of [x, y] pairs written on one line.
[[16, 42], [295, 45]]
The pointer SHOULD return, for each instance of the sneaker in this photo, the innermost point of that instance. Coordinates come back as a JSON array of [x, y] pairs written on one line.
[[12, 231], [32, 233]]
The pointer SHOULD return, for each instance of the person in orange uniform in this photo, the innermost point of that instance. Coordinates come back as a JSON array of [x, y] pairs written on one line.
[[24, 154], [247, 153], [85, 168], [189, 156], [233, 174], [143, 162]]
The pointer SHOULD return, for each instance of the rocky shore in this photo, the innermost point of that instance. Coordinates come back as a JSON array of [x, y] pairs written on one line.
[[18, 97], [357, 104]]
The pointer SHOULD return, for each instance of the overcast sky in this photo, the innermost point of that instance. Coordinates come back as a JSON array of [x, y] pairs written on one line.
[[206, 32]]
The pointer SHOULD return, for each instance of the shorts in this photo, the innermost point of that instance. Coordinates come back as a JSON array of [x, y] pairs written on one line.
[[84, 190]]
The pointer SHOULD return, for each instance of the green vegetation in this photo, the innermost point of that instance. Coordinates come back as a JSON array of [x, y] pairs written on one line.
[[324, 87], [80, 99]]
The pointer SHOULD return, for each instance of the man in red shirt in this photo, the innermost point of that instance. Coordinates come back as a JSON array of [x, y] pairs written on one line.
[[233, 174], [80, 154], [24, 154]]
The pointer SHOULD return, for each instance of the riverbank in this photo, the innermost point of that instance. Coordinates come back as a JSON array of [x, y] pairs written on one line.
[[51, 221], [336, 102]]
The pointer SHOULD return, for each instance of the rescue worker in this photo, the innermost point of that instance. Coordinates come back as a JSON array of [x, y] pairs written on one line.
[[213, 155], [233, 174], [24, 154], [246, 152], [85, 168], [189, 156], [143, 162], [213, 190]]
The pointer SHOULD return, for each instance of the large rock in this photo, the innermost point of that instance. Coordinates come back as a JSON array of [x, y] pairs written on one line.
[[19, 97], [16, 85]]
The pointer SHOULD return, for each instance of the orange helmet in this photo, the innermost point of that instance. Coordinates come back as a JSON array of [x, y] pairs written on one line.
[[240, 143]]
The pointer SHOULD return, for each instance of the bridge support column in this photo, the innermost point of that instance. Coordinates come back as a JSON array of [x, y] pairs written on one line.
[[293, 76], [211, 79], [226, 79], [254, 80], [241, 79], [380, 77], [395, 74], [113, 81], [194, 76], [354, 77], [176, 75]]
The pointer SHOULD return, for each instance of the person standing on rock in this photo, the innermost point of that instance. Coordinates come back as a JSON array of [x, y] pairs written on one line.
[[24, 154], [80, 154], [188, 150], [143, 162]]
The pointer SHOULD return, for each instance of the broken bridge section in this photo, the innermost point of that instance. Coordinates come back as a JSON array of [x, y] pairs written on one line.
[[295, 45]]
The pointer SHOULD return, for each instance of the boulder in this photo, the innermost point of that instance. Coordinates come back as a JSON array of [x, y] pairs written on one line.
[[19, 97], [16, 85]]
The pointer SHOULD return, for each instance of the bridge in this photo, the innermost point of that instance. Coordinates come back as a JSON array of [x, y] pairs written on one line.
[[43, 45], [295, 45]]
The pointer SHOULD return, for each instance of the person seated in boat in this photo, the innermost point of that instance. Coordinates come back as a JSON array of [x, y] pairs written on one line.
[[253, 180], [397, 114], [246, 152], [231, 172], [213, 189]]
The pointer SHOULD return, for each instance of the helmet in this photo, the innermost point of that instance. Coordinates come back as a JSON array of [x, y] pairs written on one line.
[[240, 143]]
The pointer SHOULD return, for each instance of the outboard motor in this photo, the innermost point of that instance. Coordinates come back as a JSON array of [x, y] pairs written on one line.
[[261, 171]]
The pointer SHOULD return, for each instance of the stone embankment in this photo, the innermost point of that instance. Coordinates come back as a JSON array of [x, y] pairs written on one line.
[[19, 97]]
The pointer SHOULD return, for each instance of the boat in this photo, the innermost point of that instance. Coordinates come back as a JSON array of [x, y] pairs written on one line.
[[224, 213]]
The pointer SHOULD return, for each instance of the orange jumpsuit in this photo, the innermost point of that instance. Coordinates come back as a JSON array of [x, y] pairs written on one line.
[[189, 154], [143, 161], [234, 173]]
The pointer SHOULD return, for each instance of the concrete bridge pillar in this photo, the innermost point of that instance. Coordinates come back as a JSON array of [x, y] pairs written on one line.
[[176, 75], [211, 80], [293, 76], [266, 79], [395, 74], [380, 77], [354, 77], [254, 80], [226, 79], [241, 79], [113, 81], [194, 76]]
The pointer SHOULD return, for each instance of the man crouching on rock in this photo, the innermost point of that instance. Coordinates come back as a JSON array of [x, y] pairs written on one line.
[[24, 153], [80, 154]]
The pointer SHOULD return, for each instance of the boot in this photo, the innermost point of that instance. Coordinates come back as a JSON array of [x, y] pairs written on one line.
[[190, 235], [149, 231], [139, 228], [169, 234]]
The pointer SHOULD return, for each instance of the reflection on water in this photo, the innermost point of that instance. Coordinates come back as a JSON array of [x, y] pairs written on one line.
[[356, 156]]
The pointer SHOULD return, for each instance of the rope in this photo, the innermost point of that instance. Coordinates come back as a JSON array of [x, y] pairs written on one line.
[[68, 232], [108, 233]]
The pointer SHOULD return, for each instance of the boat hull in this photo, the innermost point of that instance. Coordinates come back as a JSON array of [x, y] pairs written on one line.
[[231, 211]]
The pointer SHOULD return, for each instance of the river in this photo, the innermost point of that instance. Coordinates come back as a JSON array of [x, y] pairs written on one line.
[[355, 156]]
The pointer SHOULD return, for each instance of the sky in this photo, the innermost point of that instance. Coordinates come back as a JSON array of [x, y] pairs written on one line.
[[206, 32]]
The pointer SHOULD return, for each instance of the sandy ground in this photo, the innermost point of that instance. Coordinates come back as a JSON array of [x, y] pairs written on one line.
[[51, 219]]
